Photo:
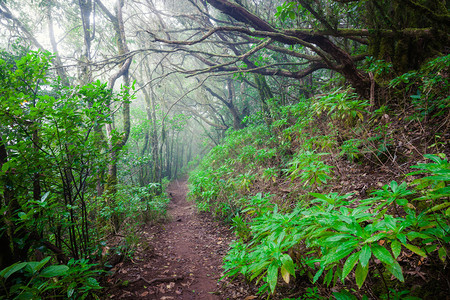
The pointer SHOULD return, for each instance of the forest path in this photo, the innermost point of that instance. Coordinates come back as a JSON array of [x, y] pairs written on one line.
[[180, 259]]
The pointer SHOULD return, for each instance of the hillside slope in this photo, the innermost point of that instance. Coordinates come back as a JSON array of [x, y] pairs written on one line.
[[327, 197]]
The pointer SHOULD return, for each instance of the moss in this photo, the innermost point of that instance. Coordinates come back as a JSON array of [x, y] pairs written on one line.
[[386, 49], [111, 185], [374, 45], [406, 52], [401, 56]]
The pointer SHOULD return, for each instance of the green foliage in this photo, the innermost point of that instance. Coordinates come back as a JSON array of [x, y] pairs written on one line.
[[312, 294], [339, 236], [270, 174], [379, 67], [32, 280], [241, 227], [328, 237], [245, 181], [323, 142], [380, 141], [132, 207], [247, 154], [55, 159], [434, 188], [51, 137], [263, 155], [430, 86], [264, 261], [350, 148], [342, 106], [287, 9], [346, 295], [290, 10], [389, 194], [307, 166], [398, 295]]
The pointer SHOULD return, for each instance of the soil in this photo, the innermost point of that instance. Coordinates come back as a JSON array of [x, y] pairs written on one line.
[[180, 259]]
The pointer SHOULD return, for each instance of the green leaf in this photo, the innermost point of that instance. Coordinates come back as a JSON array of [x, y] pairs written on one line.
[[394, 186], [413, 235], [350, 264], [292, 15], [288, 264], [442, 254], [382, 254], [396, 247], [335, 256], [322, 196], [53, 271], [396, 270], [430, 248], [361, 274], [401, 237], [272, 276], [316, 277], [31, 266], [5, 273], [434, 158], [5, 166], [440, 206], [344, 295], [338, 237], [402, 202], [41, 264], [71, 289], [365, 255], [416, 250], [328, 277], [26, 296], [92, 282], [44, 197], [22, 215], [376, 237]]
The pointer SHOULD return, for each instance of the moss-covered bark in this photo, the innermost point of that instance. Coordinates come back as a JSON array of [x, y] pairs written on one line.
[[388, 21]]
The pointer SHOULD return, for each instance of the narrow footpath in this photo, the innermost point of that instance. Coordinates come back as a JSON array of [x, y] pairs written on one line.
[[179, 259]]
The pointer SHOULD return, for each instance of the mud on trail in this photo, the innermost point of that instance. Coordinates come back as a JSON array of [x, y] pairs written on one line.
[[179, 259]]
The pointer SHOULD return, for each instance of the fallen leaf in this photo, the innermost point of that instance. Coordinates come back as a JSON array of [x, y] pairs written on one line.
[[171, 285]]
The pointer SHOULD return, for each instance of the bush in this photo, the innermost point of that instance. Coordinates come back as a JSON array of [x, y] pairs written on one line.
[[32, 280], [332, 235]]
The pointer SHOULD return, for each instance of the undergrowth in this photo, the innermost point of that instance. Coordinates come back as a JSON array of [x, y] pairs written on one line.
[[77, 278], [283, 189]]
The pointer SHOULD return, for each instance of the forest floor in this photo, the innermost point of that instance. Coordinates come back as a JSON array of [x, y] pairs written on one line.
[[179, 259]]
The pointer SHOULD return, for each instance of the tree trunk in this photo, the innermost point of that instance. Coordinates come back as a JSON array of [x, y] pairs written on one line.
[[8, 249], [237, 122], [59, 66], [265, 94]]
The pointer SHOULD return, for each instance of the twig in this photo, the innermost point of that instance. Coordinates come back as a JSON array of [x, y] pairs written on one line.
[[158, 279]]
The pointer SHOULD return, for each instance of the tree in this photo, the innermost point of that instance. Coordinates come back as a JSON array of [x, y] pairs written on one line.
[[48, 150], [317, 35]]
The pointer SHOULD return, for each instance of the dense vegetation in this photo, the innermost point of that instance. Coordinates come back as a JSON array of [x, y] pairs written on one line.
[[296, 193], [320, 130], [53, 159]]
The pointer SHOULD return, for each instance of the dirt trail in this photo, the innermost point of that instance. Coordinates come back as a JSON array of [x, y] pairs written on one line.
[[180, 259]]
